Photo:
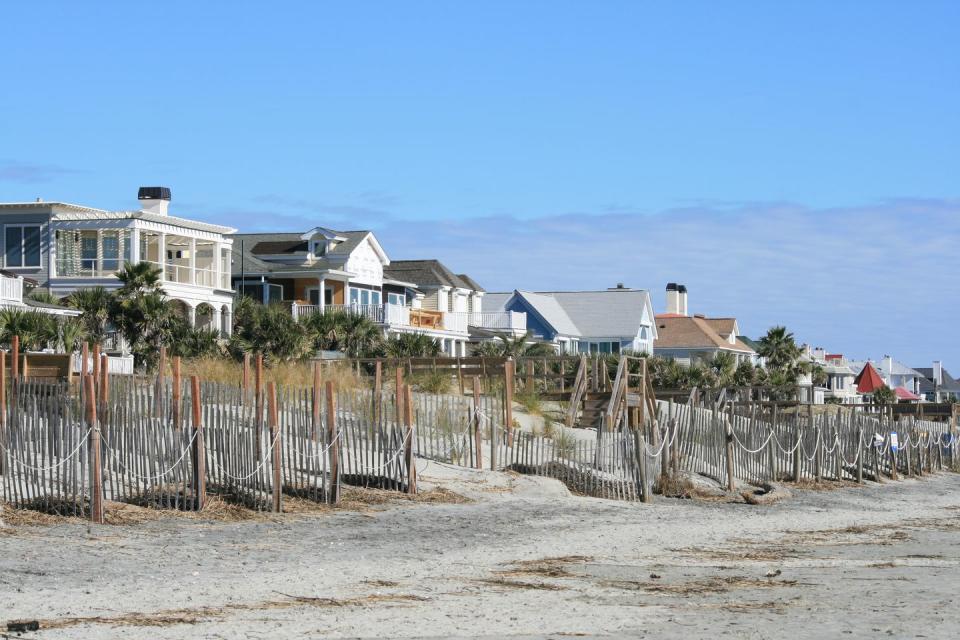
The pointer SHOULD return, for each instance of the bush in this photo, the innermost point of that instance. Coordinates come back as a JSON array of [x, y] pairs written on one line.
[[436, 382]]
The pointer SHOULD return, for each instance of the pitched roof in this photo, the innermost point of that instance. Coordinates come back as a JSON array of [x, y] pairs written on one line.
[[950, 384], [248, 246], [868, 380], [470, 281], [548, 308], [426, 273], [610, 313], [723, 326], [903, 394], [692, 332]]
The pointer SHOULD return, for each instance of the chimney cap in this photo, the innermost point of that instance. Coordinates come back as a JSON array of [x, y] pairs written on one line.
[[671, 286], [682, 288], [154, 193]]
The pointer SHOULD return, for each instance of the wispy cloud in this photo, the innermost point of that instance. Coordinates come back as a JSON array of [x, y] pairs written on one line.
[[25, 173], [867, 280]]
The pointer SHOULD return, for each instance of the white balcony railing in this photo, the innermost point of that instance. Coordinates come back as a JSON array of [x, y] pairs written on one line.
[[455, 321], [11, 289], [499, 320], [183, 274], [400, 315]]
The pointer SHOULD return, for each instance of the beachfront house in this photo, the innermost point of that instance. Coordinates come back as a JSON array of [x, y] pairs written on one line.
[[696, 338], [322, 269], [605, 321], [937, 385], [904, 380], [65, 247]]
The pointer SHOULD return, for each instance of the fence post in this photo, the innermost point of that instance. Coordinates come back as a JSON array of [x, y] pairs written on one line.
[[104, 387], [245, 378], [508, 374], [408, 453], [378, 392], [96, 364], [731, 484], [818, 452], [640, 447], [859, 455], [274, 425], [316, 398], [158, 383], [894, 472], [477, 436], [198, 449], [333, 444], [398, 395], [15, 361], [176, 396], [96, 470]]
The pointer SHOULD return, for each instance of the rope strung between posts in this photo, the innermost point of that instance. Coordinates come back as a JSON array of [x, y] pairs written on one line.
[[400, 450], [260, 466], [66, 459], [112, 453]]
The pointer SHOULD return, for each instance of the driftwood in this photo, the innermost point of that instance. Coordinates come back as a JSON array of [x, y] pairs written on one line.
[[768, 493]]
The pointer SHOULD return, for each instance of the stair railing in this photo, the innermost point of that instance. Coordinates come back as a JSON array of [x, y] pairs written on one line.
[[579, 388], [618, 396]]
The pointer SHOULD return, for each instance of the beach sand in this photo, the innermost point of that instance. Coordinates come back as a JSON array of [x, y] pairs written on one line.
[[521, 559]]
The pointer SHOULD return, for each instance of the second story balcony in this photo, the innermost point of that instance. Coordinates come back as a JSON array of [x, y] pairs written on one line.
[[400, 316]]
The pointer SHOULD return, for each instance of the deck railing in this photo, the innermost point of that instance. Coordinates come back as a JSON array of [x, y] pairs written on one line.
[[11, 289], [403, 316]]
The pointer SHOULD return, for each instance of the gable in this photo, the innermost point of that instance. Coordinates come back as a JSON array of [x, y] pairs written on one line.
[[365, 262]]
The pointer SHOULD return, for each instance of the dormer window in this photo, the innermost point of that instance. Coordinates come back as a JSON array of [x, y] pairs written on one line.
[[318, 248]]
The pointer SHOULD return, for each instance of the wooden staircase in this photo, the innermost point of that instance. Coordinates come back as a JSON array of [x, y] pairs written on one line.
[[594, 409]]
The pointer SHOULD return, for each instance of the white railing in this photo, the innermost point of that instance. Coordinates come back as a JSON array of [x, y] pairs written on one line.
[[115, 364], [455, 321], [11, 289], [502, 320], [399, 315]]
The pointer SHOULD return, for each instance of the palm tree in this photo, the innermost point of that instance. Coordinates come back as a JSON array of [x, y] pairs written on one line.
[[723, 364], [884, 395], [510, 346], [411, 345], [139, 278], [36, 330], [744, 375], [326, 329], [272, 331], [779, 348], [72, 334], [361, 336], [44, 296], [97, 305]]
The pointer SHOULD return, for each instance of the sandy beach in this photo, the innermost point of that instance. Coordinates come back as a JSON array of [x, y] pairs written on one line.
[[521, 558]]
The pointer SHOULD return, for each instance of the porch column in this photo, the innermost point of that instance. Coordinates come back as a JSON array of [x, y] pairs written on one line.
[[51, 253], [193, 261], [216, 321], [443, 346], [192, 314], [162, 256], [227, 319], [217, 267], [463, 349], [321, 297], [135, 245]]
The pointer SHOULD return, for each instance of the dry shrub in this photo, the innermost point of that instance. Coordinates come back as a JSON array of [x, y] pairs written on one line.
[[284, 374]]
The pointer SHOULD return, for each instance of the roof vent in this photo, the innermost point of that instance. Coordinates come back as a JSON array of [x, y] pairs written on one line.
[[671, 286], [154, 199]]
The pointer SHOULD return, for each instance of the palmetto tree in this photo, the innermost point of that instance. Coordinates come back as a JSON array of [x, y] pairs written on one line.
[[510, 346], [97, 305], [779, 348], [72, 334], [411, 345], [139, 278], [326, 329], [884, 395], [723, 364], [36, 330], [44, 296], [361, 336]]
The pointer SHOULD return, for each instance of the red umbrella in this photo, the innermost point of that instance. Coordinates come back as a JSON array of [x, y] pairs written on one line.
[[868, 380]]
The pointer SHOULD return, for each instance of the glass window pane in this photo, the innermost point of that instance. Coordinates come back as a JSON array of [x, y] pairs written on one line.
[[364, 297], [31, 242], [354, 296], [88, 250], [328, 296], [13, 246], [111, 251], [374, 297], [314, 296]]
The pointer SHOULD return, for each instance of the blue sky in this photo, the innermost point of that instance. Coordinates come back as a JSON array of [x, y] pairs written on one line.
[[792, 163]]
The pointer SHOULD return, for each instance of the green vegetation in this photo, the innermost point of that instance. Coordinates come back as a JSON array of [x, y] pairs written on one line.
[[505, 345]]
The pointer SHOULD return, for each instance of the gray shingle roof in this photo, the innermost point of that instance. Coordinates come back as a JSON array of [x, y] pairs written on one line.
[[590, 314], [426, 273], [950, 384], [248, 246]]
